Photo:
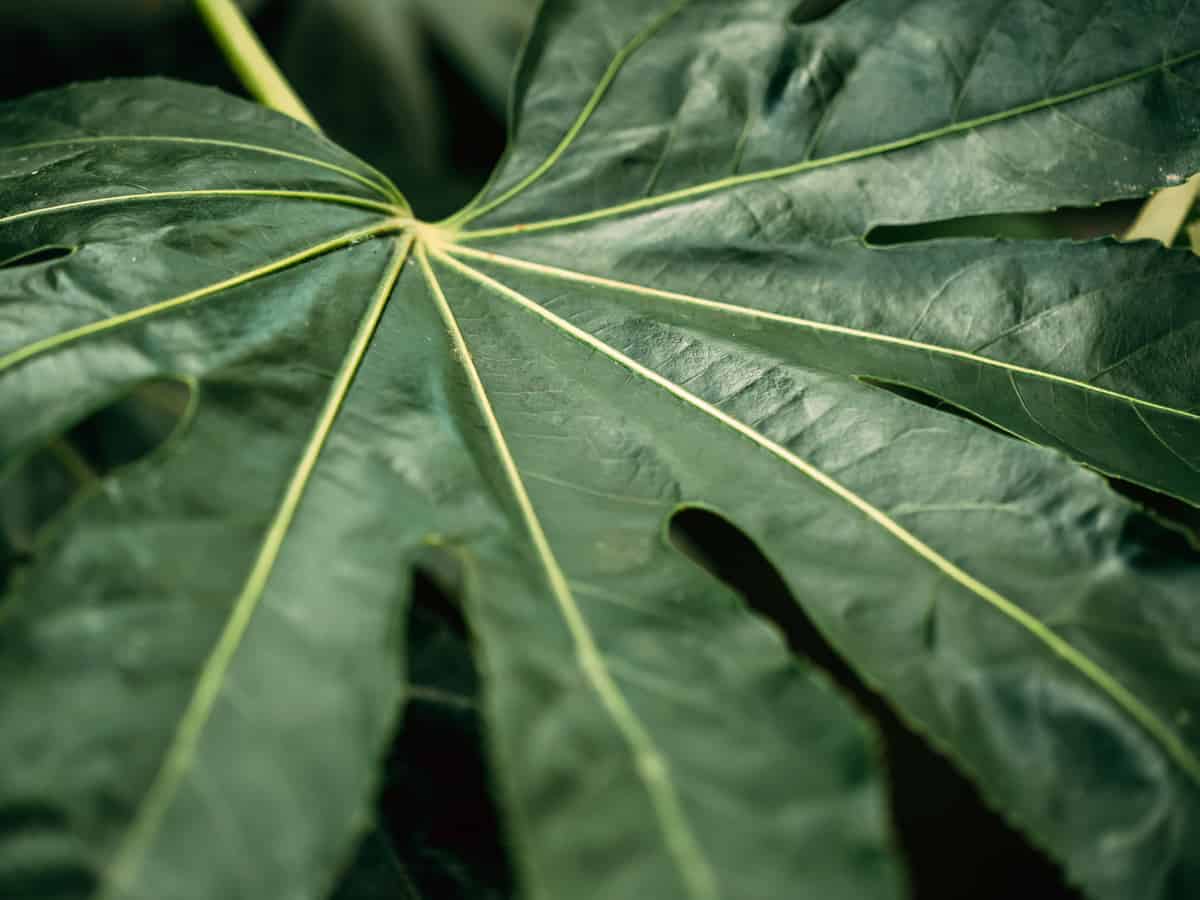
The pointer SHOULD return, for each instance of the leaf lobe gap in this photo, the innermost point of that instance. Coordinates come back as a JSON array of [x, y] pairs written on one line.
[[37, 256], [117, 434], [954, 844], [1065, 223], [812, 10], [438, 829]]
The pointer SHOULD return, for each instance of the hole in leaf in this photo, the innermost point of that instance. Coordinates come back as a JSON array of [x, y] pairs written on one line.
[[1074, 223], [38, 856], [438, 831], [1030, 227], [955, 845], [42, 876], [109, 438], [39, 255], [810, 10]]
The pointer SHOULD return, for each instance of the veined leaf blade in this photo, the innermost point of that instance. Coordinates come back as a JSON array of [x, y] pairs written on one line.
[[663, 299]]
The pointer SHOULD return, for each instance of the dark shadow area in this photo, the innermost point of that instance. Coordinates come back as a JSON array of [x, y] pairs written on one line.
[[113, 41], [476, 138], [38, 857], [1073, 223], [129, 428], [36, 256], [955, 846], [468, 136], [119, 434], [48, 881], [1182, 519], [932, 401], [438, 834], [1012, 227], [38, 52], [811, 10], [1172, 511]]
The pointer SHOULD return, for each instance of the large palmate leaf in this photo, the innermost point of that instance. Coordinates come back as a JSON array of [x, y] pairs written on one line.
[[664, 299]]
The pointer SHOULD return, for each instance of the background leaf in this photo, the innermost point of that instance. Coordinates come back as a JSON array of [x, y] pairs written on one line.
[[418, 89]]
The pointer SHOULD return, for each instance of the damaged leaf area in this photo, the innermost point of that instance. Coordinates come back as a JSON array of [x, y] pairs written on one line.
[[244, 392]]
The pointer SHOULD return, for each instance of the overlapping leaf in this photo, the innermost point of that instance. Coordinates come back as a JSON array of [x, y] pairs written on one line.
[[664, 298]]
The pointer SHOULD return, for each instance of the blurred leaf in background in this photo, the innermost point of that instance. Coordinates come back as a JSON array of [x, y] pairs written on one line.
[[416, 87], [55, 42]]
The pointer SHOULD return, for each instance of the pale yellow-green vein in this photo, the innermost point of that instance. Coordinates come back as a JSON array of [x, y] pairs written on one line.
[[1176, 748], [697, 875], [127, 861], [383, 186], [811, 325], [211, 194], [473, 211], [733, 181], [64, 338], [73, 461]]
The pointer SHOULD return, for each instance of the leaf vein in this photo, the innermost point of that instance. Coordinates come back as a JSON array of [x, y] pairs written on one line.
[[472, 211], [650, 765], [384, 186], [180, 755], [64, 338], [1175, 747], [734, 181], [214, 193], [934, 350]]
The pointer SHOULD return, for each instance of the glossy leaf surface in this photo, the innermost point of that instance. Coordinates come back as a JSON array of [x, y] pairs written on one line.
[[664, 298]]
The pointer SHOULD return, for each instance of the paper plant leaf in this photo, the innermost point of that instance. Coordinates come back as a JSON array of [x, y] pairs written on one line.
[[667, 296], [175, 630]]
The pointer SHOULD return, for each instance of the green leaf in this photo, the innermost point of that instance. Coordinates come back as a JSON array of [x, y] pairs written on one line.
[[667, 297]]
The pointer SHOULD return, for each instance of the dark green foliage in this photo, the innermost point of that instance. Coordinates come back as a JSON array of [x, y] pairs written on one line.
[[664, 300]]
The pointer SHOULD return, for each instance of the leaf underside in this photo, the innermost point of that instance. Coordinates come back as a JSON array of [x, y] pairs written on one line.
[[663, 299]]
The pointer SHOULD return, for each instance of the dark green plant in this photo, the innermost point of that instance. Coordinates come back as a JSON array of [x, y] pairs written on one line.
[[245, 394]]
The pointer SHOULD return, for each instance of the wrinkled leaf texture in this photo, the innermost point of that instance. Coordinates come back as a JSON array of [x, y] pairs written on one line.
[[664, 298]]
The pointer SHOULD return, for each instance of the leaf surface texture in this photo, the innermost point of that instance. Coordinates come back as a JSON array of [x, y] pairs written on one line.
[[663, 298]]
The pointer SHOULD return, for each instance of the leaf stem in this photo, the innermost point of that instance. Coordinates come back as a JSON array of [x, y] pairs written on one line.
[[1163, 215], [248, 58]]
